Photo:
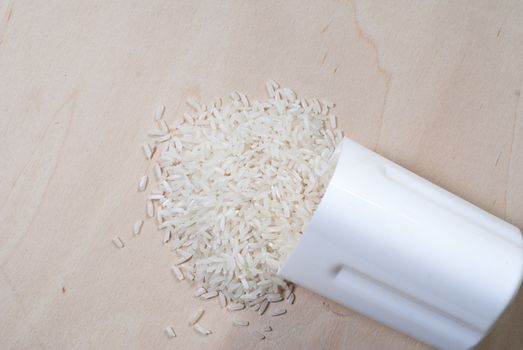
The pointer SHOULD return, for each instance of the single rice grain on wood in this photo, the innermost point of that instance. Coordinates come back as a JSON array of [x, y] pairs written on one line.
[[195, 316], [201, 329], [169, 332], [137, 226], [258, 335], [118, 243], [158, 114]]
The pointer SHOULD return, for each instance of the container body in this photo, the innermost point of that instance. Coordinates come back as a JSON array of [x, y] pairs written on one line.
[[401, 250]]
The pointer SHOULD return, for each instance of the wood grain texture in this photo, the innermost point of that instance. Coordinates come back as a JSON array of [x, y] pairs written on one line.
[[435, 87]]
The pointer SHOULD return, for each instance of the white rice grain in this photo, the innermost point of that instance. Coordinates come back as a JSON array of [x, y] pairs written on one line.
[[200, 291], [157, 171], [142, 183], [257, 335], [289, 291], [270, 89], [201, 329], [183, 259], [159, 219], [177, 273], [209, 295], [195, 316], [244, 100], [194, 105], [234, 96], [169, 332], [289, 94], [118, 243], [278, 312], [291, 298], [188, 118], [149, 209], [163, 125], [137, 227], [263, 307], [147, 151], [158, 114], [166, 236], [274, 297], [240, 323], [157, 133], [222, 299], [236, 306], [332, 121], [163, 138]]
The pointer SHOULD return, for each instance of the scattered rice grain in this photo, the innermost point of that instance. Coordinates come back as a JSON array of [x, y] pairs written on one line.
[[240, 323], [169, 332], [149, 208], [201, 329], [166, 236], [160, 110], [194, 105], [163, 125], [163, 138], [118, 243], [274, 297], [263, 307], [258, 335], [157, 133], [183, 259], [222, 299], [291, 298], [200, 291], [157, 171], [195, 317], [236, 306], [278, 312], [209, 295], [142, 183], [137, 226], [147, 151], [332, 121], [177, 273]]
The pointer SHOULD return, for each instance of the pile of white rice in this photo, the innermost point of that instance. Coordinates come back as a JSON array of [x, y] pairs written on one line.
[[236, 185]]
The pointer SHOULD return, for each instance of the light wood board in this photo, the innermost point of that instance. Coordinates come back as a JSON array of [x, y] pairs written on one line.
[[434, 86]]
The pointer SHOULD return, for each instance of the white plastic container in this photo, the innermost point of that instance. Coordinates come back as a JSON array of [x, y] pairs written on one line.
[[403, 251]]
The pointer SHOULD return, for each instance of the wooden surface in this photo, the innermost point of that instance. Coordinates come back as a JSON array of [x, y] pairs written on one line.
[[435, 87]]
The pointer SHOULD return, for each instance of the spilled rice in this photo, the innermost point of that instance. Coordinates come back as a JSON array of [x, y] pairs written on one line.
[[234, 184]]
